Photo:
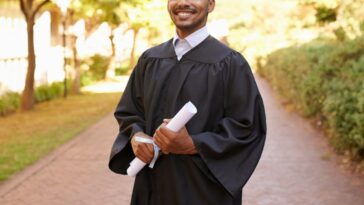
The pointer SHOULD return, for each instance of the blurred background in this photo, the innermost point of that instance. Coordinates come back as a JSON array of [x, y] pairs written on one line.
[[61, 59]]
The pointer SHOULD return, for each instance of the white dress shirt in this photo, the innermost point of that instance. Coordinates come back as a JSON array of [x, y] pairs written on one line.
[[182, 46]]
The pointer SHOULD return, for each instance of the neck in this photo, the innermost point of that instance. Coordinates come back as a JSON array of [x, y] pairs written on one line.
[[183, 33]]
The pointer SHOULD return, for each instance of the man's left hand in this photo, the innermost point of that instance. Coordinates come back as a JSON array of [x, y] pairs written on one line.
[[174, 142]]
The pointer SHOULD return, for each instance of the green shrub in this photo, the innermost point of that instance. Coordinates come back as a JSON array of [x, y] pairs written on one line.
[[123, 69], [48, 92], [324, 80], [87, 79], [9, 102], [98, 66], [325, 14]]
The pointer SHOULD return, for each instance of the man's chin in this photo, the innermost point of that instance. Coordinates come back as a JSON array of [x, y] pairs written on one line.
[[186, 27]]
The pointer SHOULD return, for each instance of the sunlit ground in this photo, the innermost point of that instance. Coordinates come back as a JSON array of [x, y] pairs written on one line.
[[115, 85]]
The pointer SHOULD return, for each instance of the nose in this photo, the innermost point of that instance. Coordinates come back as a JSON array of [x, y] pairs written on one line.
[[183, 1]]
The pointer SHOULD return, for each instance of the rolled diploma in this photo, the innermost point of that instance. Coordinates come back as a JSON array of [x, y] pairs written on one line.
[[176, 123]]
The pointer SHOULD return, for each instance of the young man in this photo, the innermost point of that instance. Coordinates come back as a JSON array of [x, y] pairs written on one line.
[[210, 160]]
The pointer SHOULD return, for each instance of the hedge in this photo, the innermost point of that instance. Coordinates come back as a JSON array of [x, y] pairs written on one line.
[[324, 80], [48, 92], [10, 101]]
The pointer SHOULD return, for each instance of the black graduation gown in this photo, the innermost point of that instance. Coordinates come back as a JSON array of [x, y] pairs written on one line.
[[228, 131]]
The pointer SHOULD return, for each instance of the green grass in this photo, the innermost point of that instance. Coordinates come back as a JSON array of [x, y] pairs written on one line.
[[26, 137]]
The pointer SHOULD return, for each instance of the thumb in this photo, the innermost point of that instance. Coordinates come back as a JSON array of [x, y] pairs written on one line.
[[166, 120]]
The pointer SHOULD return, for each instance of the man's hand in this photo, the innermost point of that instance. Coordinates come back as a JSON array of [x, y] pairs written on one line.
[[143, 151], [174, 142]]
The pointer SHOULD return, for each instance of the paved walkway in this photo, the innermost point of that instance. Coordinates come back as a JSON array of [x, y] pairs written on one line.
[[292, 170]]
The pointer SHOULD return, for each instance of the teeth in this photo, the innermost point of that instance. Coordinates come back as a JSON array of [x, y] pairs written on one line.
[[183, 14]]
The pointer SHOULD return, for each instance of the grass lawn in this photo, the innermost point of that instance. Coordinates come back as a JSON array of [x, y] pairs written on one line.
[[26, 137]]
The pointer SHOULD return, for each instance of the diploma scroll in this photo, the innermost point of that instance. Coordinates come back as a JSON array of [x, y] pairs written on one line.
[[176, 123]]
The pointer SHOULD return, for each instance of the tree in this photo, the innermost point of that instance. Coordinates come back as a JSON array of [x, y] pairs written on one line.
[[30, 9], [144, 16], [94, 13], [342, 17], [113, 12], [136, 13]]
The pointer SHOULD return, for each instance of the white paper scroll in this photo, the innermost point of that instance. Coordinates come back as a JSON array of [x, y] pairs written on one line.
[[177, 123]]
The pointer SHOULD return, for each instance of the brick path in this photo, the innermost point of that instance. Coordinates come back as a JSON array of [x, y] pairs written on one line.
[[292, 170]]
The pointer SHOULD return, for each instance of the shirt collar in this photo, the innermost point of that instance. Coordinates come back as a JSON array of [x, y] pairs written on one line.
[[194, 38]]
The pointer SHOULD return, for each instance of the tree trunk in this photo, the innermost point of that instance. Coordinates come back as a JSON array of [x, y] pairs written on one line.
[[64, 44], [55, 21], [76, 85], [132, 53], [110, 73], [27, 99]]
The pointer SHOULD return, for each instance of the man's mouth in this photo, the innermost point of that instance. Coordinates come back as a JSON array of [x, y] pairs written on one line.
[[184, 13]]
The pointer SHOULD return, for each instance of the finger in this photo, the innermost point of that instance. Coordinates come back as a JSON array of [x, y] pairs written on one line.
[[150, 148], [167, 140], [157, 128], [182, 130], [134, 150], [134, 146], [140, 156], [166, 120], [157, 141], [132, 141], [165, 131], [146, 152], [162, 139], [143, 159], [160, 143], [158, 138]]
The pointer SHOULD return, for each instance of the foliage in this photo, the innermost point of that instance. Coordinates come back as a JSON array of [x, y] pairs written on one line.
[[324, 80], [95, 12], [123, 69], [325, 14], [264, 26], [87, 79], [9, 102], [136, 14], [48, 92], [343, 14], [98, 66]]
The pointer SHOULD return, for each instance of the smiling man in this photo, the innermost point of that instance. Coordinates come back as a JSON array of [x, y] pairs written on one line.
[[210, 160]]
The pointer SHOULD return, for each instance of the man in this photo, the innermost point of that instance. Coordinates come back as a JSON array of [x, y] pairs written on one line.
[[210, 160]]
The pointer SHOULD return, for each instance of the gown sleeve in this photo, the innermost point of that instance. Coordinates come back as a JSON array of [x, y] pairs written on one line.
[[232, 151], [129, 114]]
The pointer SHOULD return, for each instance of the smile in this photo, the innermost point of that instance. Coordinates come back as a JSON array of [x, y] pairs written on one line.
[[184, 14]]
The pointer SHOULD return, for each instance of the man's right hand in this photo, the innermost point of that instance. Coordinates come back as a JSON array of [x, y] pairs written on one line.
[[143, 151]]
